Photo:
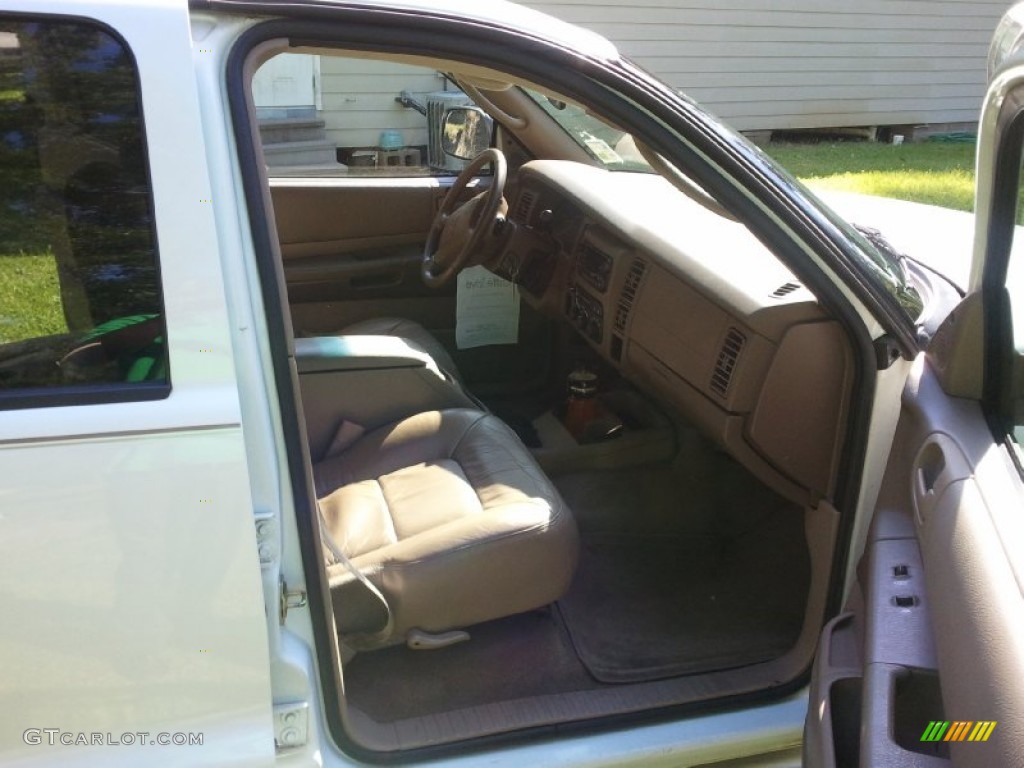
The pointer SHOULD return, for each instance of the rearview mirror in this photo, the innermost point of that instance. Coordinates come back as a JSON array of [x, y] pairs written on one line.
[[466, 132]]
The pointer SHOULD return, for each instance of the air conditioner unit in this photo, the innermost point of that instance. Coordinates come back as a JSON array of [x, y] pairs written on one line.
[[438, 103]]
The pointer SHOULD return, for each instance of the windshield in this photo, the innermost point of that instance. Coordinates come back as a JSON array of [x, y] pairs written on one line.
[[613, 148]]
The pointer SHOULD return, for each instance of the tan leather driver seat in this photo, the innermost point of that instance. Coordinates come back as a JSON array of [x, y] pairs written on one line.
[[409, 330], [450, 518]]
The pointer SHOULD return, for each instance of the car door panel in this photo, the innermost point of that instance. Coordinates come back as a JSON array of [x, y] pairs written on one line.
[[381, 272], [968, 498], [322, 218], [934, 628], [359, 238]]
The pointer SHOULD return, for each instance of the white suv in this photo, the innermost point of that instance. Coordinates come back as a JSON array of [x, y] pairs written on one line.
[[423, 381]]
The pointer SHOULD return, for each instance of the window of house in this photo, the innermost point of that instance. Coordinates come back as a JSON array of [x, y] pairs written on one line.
[[344, 116], [81, 315]]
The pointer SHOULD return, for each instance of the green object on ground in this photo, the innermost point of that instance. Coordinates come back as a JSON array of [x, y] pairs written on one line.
[[956, 137], [148, 363]]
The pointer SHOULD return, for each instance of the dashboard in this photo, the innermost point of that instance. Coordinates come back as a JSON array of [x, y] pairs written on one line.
[[691, 307]]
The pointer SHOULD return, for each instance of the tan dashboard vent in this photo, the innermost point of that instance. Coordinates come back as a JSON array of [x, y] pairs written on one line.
[[728, 356], [628, 295], [785, 289], [524, 206]]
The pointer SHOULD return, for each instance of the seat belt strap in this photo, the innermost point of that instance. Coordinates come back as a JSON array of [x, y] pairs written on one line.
[[361, 641]]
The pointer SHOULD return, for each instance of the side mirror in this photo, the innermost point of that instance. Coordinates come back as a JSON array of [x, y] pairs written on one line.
[[466, 132]]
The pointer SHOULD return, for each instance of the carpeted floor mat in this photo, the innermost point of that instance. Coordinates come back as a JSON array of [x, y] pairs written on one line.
[[514, 657], [648, 606]]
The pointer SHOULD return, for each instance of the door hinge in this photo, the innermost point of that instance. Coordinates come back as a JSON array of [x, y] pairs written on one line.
[[291, 598], [291, 724]]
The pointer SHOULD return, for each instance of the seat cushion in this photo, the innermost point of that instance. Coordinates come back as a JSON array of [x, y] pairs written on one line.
[[450, 517], [407, 329]]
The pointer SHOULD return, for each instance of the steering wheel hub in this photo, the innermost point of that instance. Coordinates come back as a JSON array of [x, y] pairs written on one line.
[[459, 232]]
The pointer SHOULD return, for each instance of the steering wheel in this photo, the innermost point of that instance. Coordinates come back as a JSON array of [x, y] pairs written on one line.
[[459, 232]]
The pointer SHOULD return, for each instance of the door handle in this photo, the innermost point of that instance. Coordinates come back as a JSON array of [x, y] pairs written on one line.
[[931, 465], [938, 464]]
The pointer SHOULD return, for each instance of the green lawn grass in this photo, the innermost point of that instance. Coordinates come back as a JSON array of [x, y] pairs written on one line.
[[29, 297], [934, 173]]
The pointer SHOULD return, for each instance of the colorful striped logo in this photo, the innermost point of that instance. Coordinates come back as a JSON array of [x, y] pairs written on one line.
[[958, 730]]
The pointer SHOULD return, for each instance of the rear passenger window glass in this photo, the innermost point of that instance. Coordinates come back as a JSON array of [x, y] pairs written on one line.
[[81, 311]]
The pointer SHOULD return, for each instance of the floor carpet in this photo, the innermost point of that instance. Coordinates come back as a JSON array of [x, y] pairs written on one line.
[[511, 658], [644, 607]]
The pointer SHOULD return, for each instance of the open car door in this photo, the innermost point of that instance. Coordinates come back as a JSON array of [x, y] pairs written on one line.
[[924, 667]]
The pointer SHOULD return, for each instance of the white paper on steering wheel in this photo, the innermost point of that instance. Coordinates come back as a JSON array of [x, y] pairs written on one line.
[[486, 309]]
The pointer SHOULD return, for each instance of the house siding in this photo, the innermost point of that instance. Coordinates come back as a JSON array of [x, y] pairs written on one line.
[[776, 64], [358, 100]]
